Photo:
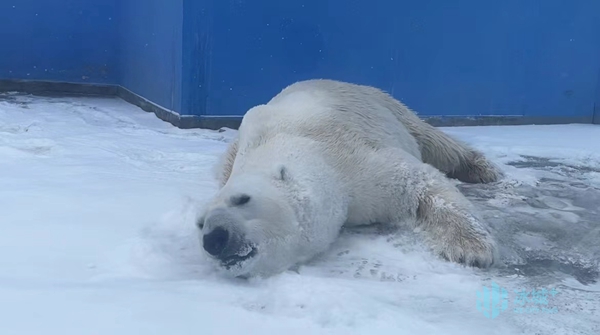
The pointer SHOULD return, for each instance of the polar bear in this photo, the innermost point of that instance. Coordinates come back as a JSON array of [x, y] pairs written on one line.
[[323, 154]]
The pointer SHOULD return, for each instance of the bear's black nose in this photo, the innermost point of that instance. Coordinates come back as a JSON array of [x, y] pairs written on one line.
[[215, 241]]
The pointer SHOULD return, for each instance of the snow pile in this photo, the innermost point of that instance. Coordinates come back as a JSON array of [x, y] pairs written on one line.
[[99, 200]]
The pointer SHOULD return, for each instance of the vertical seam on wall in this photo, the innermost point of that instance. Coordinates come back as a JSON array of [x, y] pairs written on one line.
[[596, 105]]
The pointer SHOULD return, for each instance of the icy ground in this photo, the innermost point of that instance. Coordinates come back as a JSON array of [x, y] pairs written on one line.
[[98, 201]]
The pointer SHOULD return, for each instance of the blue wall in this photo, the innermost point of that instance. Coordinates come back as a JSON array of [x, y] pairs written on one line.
[[538, 59], [150, 50], [470, 57], [63, 40]]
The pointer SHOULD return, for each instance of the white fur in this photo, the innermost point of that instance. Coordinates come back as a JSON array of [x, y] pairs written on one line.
[[323, 154]]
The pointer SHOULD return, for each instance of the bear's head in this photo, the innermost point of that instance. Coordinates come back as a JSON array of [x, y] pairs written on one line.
[[260, 224]]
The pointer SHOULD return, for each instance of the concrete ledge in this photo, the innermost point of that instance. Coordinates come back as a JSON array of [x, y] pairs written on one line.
[[500, 120], [38, 87], [215, 122], [52, 88], [180, 121]]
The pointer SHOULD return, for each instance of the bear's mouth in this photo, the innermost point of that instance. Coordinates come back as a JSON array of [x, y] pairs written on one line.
[[239, 257]]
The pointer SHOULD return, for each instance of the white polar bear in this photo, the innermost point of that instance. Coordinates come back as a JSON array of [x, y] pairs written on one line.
[[323, 154]]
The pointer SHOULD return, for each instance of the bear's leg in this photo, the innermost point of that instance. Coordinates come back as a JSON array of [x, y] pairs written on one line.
[[456, 159], [475, 168], [446, 217], [447, 154], [406, 187]]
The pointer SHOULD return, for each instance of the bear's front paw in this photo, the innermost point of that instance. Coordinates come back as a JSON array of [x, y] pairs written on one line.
[[476, 250]]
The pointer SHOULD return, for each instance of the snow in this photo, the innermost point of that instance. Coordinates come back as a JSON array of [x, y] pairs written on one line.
[[98, 204]]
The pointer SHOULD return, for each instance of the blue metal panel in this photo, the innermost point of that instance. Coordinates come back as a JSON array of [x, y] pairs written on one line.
[[196, 53], [150, 50], [63, 40], [220, 57], [469, 57]]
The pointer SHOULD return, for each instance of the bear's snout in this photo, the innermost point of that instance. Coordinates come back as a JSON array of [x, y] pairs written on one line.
[[227, 245], [216, 241]]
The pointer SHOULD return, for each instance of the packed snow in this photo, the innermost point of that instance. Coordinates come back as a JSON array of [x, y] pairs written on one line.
[[97, 236]]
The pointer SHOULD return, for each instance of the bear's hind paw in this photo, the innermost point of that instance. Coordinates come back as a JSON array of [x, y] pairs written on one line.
[[476, 252]]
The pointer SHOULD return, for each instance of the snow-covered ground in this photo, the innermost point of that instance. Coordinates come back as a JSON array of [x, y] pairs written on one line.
[[98, 201]]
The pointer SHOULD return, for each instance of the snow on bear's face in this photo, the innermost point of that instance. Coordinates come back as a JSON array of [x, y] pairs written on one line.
[[250, 229]]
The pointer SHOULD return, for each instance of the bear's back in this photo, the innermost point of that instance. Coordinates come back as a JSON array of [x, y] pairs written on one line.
[[336, 113]]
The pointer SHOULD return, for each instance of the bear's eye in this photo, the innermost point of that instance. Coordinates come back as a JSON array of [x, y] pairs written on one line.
[[239, 200], [200, 222]]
